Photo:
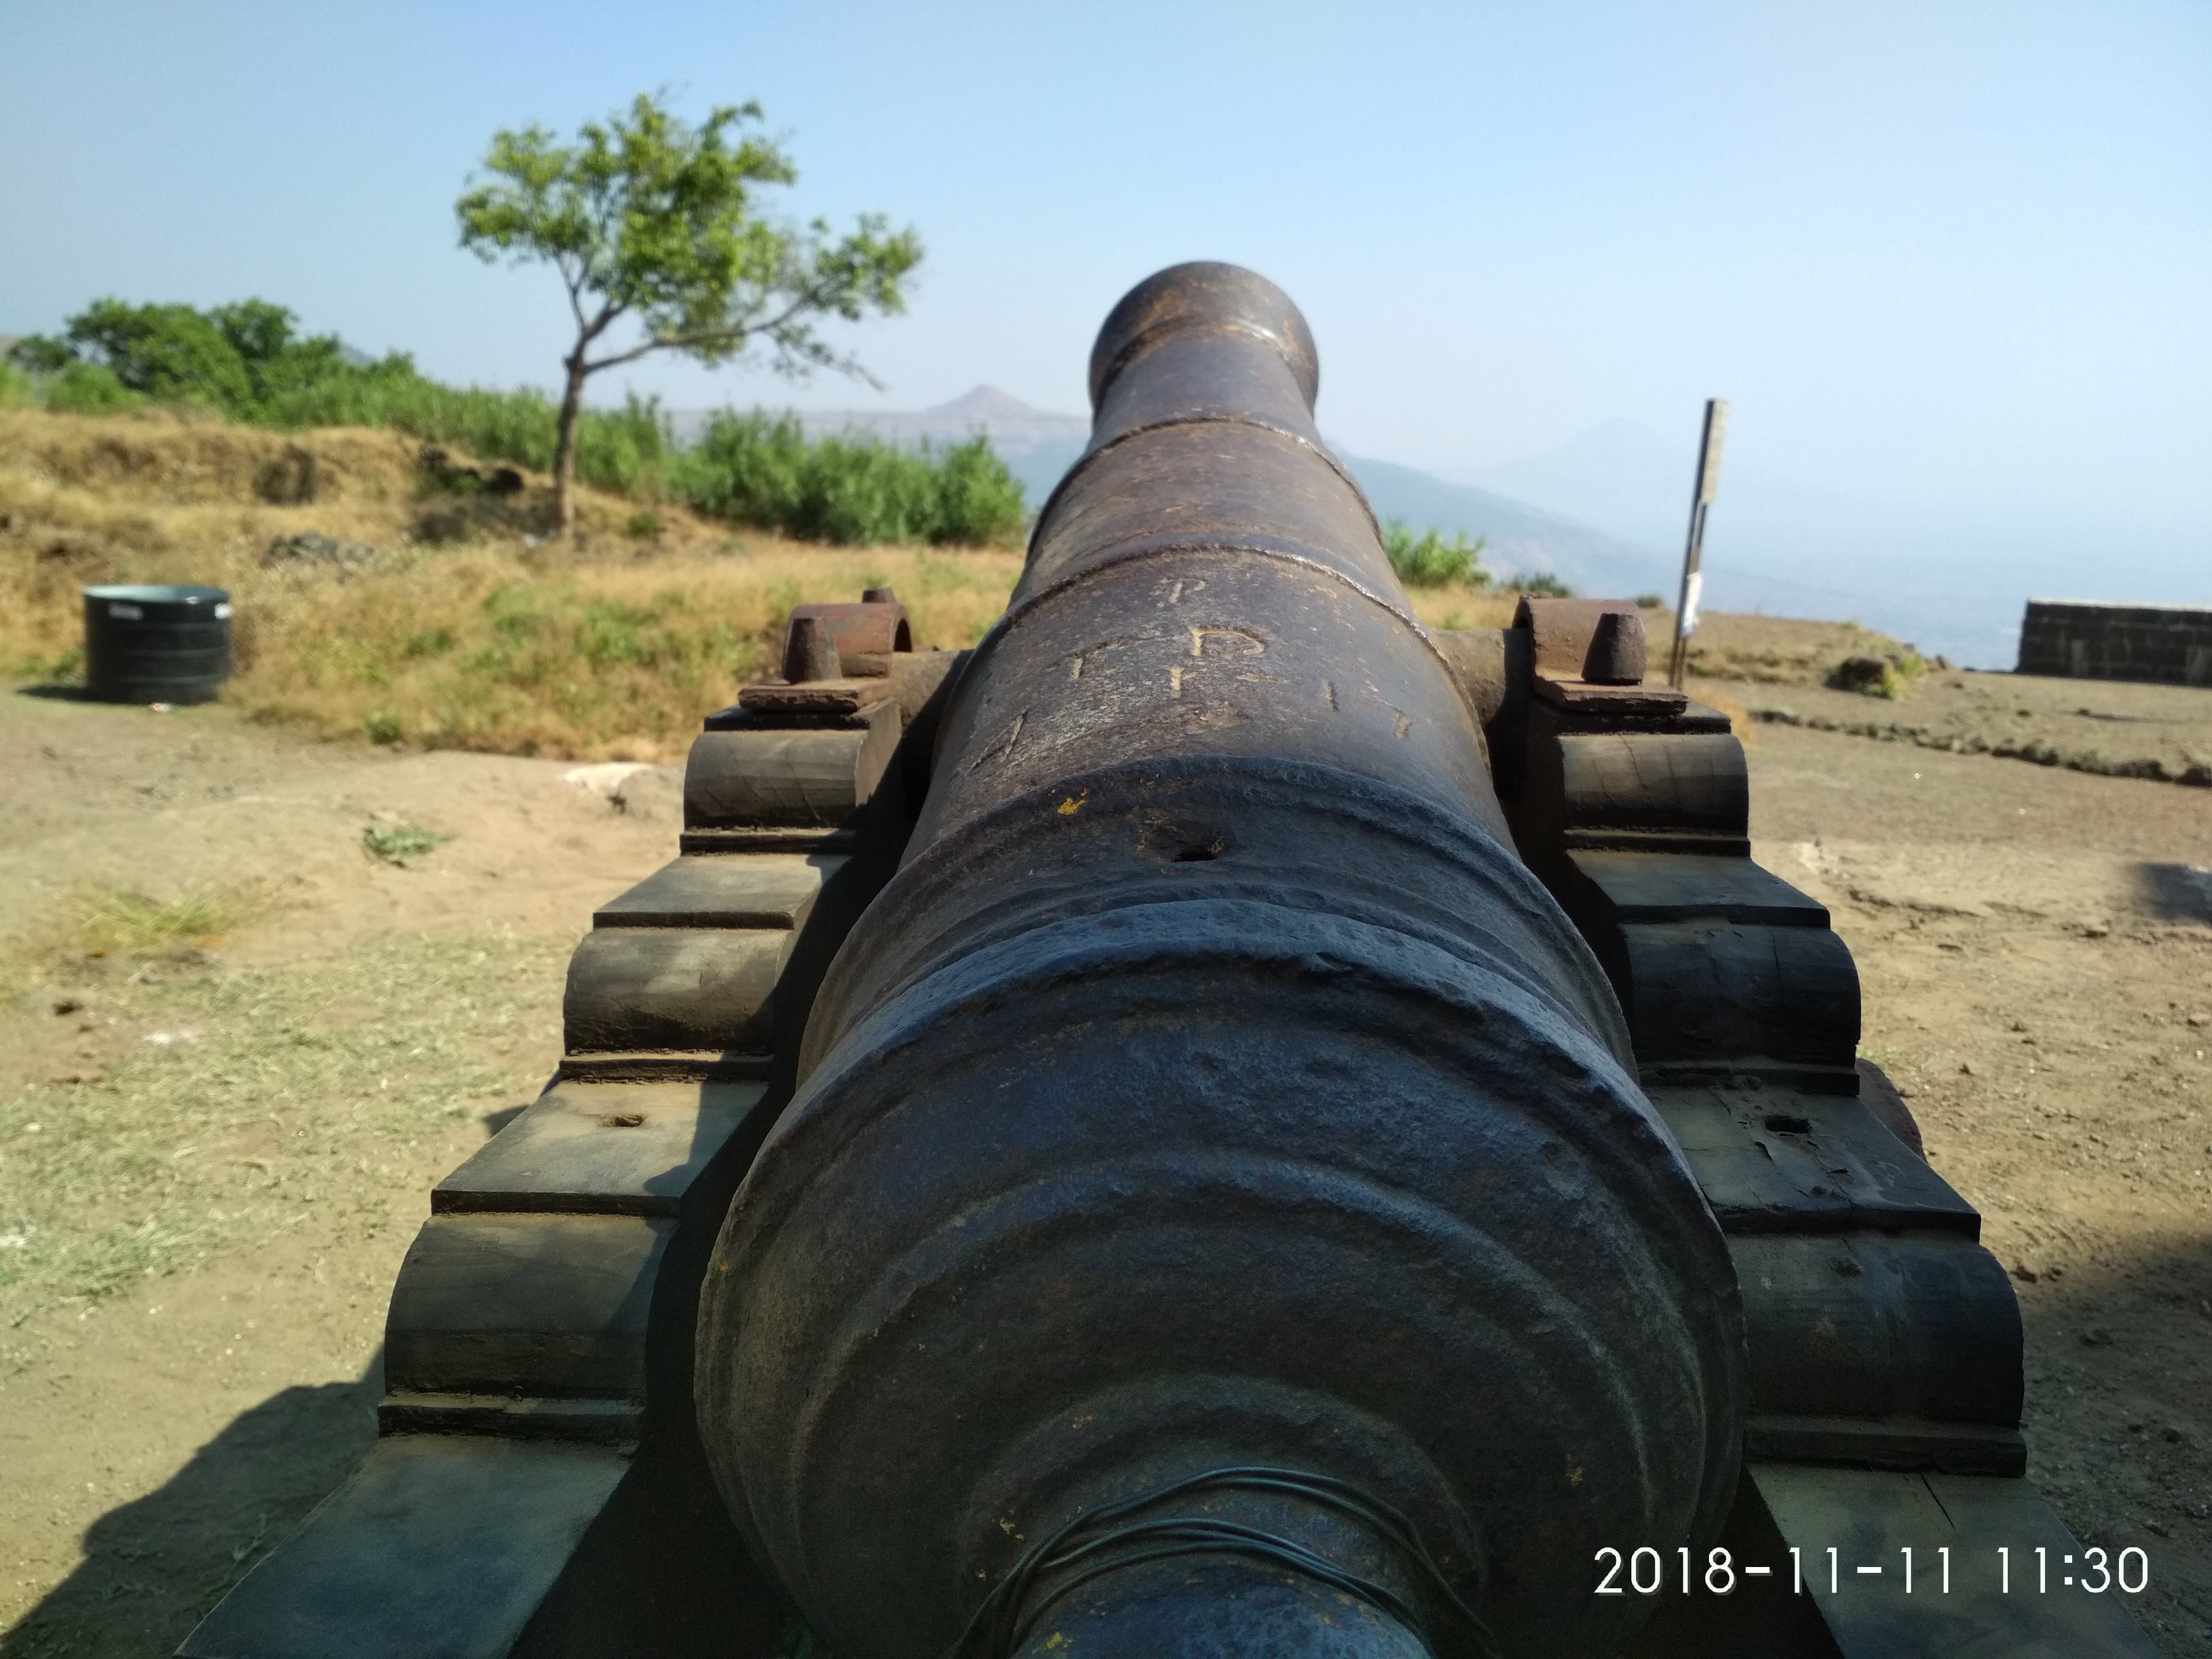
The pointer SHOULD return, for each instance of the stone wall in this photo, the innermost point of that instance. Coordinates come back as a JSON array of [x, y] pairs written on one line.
[[2170, 644]]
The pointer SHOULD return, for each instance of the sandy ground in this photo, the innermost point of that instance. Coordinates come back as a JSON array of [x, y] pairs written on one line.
[[154, 1443], [2036, 947]]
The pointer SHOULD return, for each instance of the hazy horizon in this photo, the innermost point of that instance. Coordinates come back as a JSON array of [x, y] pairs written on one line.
[[1948, 265]]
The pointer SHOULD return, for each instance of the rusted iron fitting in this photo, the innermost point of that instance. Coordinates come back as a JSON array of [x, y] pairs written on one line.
[[1599, 640], [855, 639], [1214, 1086]]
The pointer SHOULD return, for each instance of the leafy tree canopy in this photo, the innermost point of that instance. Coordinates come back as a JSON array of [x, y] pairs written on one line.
[[647, 216], [239, 357], [651, 220]]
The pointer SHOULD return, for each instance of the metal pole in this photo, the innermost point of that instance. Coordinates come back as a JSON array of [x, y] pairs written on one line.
[[1709, 480]]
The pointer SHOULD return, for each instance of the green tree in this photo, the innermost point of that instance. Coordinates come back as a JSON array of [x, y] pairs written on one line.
[[649, 218], [239, 357], [167, 352]]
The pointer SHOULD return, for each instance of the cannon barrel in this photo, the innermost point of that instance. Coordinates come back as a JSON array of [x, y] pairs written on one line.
[[1213, 1089]]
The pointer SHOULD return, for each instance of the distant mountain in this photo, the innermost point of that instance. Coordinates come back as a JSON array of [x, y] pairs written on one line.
[[1606, 513], [1523, 539], [1775, 544], [1039, 446]]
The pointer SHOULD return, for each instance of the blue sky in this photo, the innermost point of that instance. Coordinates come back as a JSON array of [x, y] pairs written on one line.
[[1953, 256]]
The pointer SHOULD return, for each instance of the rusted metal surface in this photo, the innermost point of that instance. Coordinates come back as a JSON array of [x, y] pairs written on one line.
[[810, 650], [1214, 1086], [862, 634]]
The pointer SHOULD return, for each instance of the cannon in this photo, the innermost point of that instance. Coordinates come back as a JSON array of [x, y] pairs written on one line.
[[1220, 1122]]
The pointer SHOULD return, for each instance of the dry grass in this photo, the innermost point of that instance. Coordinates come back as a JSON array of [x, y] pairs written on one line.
[[465, 630], [118, 932], [1454, 606], [254, 1098], [1754, 650], [1741, 720], [112, 921]]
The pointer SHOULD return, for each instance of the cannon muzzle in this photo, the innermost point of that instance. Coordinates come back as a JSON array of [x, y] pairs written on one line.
[[1218, 1202]]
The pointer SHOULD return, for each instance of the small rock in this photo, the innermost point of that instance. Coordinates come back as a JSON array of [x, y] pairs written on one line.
[[2026, 1274], [2158, 1526], [2096, 930], [2200, 1019], [68, 1006], [1966, 1068], [2097, 1338], [505, 480], [606, 780]]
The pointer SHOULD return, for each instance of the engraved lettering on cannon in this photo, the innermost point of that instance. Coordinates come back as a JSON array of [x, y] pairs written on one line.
[[1002, 746], [1240, 643], [1078, 660]]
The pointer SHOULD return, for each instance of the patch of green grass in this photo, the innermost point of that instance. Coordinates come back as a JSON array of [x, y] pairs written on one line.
[[113, 921], [285, 1093], [397, 842], [67, 669]]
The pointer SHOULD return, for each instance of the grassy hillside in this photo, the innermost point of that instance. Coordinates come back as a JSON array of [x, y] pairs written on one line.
[[450, 623]]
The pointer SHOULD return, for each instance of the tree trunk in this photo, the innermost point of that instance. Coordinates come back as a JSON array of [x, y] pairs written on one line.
[[564, 447]]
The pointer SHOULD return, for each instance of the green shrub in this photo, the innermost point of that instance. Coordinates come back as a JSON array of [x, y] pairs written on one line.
[[1541, 585], [760, 469], [88, 389], [1429, 560], [246, 360], [17, 389], [1889, 675]]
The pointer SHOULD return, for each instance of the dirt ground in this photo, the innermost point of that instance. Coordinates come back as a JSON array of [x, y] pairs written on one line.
[[2120, 730], [176, 1391]]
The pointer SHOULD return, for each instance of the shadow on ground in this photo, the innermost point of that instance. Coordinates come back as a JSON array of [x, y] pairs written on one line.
[[2176, 892], [2119, 1421], [154, 1567]]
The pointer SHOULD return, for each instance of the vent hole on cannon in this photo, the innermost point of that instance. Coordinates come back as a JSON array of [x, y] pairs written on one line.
[[1170, 843], [1785, 1123]]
